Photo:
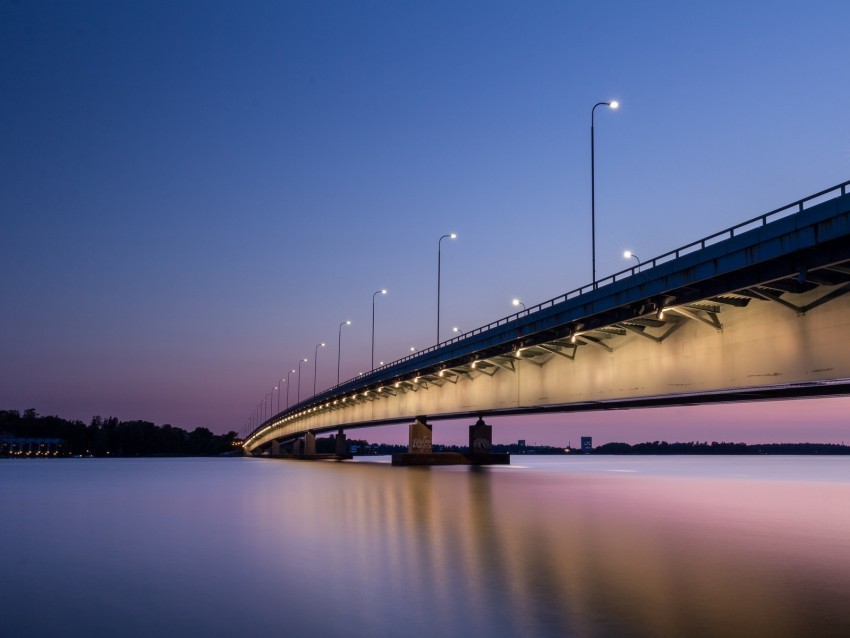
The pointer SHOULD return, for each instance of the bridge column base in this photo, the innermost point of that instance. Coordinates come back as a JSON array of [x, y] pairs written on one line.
[[309, 444], [421, 453], [480, 438], [341, 446], [420, 435]]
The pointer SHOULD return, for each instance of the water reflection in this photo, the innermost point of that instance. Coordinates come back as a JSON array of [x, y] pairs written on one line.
[[649, 547]]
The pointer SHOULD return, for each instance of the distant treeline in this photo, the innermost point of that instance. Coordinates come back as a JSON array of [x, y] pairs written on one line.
[[695, 447], [111, 437]]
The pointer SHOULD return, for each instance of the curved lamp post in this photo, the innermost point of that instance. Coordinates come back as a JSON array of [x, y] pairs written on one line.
[[279, 390], [628, 254], [304, 360], [278, 387], [316, 364], [339, 348], [287, 387], [377, 292], [517, 302], [439, 258], [614, 105]]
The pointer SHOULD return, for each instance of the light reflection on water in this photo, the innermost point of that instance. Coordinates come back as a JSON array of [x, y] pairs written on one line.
[[552, 546]]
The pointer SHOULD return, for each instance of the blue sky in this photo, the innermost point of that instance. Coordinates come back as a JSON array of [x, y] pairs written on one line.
[[194, 194]]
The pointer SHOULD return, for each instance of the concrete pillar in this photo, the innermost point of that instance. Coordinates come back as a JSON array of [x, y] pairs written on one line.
[[309, 444], [275, 448], [297, 447], [341, 444], [480, 438], [420, 436]]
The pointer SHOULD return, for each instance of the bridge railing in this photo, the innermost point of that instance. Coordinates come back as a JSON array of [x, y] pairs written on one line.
[[644, 266], [751, 224]]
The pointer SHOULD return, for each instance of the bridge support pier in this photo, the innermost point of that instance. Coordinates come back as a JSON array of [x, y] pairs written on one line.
[[420, 449], [304, 449], [480, 438], [341, 447], [309, 444], [420, 436], [275, 448]]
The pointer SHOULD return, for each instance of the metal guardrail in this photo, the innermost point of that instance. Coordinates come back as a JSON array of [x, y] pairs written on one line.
[[642, 267], [700, 244]]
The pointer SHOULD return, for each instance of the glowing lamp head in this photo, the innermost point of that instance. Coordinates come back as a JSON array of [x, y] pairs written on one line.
[[453, 236], [516, 302], [627, 254], [614, 104], [383, 291]]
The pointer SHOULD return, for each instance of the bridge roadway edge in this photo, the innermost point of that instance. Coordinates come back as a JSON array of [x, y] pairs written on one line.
[[792, 246]]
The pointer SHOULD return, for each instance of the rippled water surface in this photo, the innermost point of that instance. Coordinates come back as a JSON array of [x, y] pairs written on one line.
[[551, 546]]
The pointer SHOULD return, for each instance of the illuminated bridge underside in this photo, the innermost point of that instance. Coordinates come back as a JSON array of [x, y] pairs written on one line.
[[761, 314]]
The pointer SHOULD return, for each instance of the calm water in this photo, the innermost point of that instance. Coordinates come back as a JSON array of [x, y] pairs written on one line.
[[552, 546]]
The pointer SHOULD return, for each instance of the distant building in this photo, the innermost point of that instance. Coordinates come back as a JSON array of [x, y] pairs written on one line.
[[521, 443], [587, 444]]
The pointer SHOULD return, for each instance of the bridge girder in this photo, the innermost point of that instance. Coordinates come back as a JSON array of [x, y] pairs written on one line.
[[818, 273]]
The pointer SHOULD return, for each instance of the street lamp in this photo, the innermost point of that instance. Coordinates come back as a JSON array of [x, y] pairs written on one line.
[[299, 379], [316, 364], [277, 387], [455, 329], [287, 387], [377, 292], [517, 302], [279, 390], [439, 254], [614, 105], [339, 348], [628, 254]]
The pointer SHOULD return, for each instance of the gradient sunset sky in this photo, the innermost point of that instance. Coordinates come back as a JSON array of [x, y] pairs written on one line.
[[195, 194]]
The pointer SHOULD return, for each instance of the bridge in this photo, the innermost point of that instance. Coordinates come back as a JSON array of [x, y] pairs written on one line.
[[756, 311]]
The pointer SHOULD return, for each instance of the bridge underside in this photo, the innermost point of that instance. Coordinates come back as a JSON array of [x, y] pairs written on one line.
[[787, 338], [746, 319]]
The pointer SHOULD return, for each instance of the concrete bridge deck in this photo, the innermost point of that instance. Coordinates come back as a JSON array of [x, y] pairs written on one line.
[[731, 301]]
